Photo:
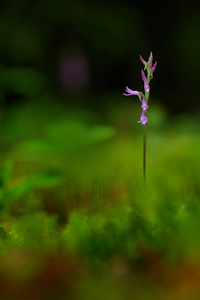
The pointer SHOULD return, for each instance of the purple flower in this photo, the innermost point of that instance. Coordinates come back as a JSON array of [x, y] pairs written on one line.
[[154, 67], [143, 62], [150, 68], [144, 106], [130, 93], [143, 119], [146, 85]]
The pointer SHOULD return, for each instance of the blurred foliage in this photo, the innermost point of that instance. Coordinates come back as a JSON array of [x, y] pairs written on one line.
[[71, 191], [21, 81]]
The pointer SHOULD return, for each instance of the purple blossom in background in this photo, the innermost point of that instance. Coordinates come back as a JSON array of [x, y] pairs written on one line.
[[143, 119], [73, 69]]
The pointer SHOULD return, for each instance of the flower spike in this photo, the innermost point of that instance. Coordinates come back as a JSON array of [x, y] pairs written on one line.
[[144, 97]]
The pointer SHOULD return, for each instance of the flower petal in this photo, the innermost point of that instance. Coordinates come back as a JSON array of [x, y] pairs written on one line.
[[154, 67], [143, 76], [127, 94], [143, 61]]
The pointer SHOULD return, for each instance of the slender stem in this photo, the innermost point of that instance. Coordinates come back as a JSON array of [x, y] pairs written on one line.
[[144, 154]]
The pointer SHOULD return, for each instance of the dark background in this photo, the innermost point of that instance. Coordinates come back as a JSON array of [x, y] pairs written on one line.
[[86, 50]]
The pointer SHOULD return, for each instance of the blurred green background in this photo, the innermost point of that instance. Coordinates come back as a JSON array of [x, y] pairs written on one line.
[[76, 220]]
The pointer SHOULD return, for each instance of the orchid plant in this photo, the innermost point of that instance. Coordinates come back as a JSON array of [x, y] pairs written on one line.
[[144, 97]]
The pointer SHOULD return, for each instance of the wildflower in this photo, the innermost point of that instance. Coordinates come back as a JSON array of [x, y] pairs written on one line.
[[130, 93], [146, 85], [144, 97], [144, 106], [143, 119]]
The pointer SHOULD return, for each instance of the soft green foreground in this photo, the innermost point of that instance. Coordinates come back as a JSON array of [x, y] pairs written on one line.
[[77, 221]]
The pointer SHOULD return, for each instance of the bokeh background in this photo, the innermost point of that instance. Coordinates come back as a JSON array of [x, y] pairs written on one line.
[[90, 49], [76, 220]]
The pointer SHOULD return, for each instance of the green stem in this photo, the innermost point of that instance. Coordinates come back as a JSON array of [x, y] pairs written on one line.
[[146, 96], [144, 154]]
